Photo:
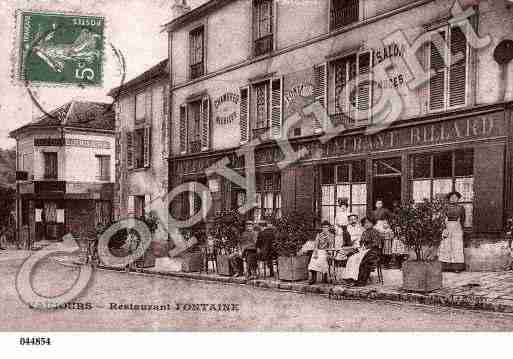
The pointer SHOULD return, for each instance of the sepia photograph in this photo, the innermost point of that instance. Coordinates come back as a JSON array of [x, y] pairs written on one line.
[[255, 166]]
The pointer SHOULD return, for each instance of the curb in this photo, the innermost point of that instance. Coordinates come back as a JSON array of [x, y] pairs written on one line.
[[336, 292]]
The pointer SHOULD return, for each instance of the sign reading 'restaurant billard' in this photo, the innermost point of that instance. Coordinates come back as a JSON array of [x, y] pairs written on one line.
[[477, 127], [226, 107]]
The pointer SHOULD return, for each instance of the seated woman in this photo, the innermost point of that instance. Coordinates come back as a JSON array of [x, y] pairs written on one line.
[[319, 260], [360, 264]]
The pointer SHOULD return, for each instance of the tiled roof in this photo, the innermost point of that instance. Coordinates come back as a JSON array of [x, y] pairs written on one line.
[[83, 114], [160, 69]]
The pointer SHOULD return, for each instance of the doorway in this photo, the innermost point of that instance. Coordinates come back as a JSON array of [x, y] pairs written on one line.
[[386, 181]]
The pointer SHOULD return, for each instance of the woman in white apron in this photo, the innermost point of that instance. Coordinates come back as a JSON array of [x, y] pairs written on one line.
[[450, 252], [319, 260], [359, 265]]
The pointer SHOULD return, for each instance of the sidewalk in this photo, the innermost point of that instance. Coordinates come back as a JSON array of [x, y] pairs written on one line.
[[14, 254], [472, 290]]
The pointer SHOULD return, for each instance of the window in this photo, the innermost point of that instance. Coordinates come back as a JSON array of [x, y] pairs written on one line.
[[25, 212], [261, 106], [103, 167], [268, 196], [50, 165], [194, 116], [138, 148], [346, 180], [343, 13], [139, 206], [435, 175], [197, 52], [263, 26], [449, 61], [351, 107], [103, 212]]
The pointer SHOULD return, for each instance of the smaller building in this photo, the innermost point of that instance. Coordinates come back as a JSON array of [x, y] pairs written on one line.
[[142, 144], [65, 167]]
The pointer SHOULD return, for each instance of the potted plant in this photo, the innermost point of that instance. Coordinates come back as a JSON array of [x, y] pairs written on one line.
[[226, 229], [292, 231], [420, 227]]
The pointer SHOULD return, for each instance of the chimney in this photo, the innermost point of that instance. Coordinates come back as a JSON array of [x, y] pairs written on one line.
[[179, 8]]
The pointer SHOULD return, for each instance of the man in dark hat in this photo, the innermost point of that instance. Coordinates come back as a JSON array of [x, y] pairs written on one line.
[[247, 250], [264, 244]]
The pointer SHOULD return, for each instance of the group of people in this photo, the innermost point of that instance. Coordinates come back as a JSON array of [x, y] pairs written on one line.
[[361, 244], [253, 246]]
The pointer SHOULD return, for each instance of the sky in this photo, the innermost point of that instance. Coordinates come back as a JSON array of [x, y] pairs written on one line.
[[132, 26]]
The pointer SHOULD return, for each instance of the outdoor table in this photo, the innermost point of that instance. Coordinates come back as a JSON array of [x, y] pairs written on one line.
[[333, 253]]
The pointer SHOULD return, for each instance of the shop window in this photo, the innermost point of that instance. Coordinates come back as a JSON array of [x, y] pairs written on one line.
[[197, 200], [435, 175], [343, 13], [50, 165], [449, 61], [25, 212], [349, 183], [50, 212], [197, 52], [139, 206], [268, 196], [263, 26], [103, 212]]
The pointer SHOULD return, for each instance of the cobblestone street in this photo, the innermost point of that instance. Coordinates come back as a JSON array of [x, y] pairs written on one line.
[[259, 309]]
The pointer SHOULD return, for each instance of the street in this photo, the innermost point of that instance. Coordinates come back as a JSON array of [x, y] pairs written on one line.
[[114, 301]]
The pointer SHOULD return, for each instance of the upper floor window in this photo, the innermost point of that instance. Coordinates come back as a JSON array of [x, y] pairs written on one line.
[[194, 109], [343, 13], [263, 26], [103, 167], [449, 62], [139, 148], [351, 100], [261, 105], [50, 165], [197, 52]]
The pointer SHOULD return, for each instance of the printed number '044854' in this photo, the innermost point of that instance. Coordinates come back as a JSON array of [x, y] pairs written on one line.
[[35, 341], [84, 73]]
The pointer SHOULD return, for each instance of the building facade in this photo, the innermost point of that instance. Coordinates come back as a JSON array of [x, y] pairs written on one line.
[[241, 70], [65, 172], [142, 143]]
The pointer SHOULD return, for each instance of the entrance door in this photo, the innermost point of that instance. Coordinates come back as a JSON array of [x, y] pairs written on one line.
[[386, 182]]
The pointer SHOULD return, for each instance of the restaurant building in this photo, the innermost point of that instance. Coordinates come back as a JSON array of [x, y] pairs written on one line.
[[64, 167], [241, 70]]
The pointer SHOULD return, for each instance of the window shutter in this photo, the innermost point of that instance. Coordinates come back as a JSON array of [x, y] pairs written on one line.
[[165, 122], [205, 123], [131, 205], [130, 150], [183, 129], [276, 107], [319, 91], [364, 90], [437, 81], [147, 146], [117, 145], [488, 188], [458, 69], [148, 104], [244, 115]]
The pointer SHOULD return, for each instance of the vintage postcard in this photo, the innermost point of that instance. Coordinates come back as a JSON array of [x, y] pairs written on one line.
[[256, 165]]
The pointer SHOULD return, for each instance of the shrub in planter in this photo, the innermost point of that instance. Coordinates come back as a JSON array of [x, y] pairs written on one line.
[[292, 231], [420, 226], [226, 228], [147, 260]]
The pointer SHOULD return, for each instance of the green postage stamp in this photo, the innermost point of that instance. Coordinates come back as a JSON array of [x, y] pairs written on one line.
[[61, 48]]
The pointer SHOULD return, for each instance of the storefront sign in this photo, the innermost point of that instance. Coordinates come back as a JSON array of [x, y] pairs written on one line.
[[78, 142], [386, 52], [429, 134], [226, 107]]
